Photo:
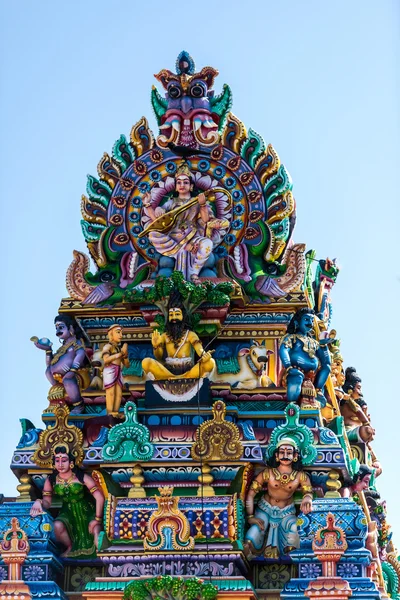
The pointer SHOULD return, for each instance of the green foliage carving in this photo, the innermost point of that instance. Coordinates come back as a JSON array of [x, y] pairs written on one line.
[[159, 104], [252, 148], [170, 588], [277, 184], [98, 190], [221, 105], [193, 295], [92, 231], [123, 153]]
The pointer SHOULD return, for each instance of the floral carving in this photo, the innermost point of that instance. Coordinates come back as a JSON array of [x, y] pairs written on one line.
[[59, 434], [168, 528], [217, 439]]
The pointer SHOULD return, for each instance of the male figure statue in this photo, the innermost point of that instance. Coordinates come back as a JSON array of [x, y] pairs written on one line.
[[301, 354], [354, 409], [273, 530], [114, 357], [178, 342], [62, 367]]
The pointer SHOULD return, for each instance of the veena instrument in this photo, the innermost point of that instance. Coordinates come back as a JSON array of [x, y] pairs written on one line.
[[167, 221]]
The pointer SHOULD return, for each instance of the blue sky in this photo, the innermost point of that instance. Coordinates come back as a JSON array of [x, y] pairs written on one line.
[[319, 80]]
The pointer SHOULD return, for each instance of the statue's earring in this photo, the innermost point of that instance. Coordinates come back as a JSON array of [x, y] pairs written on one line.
[[71, 465], [296, 458]]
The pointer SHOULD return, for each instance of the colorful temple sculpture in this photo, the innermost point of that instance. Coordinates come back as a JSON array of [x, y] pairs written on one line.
[[203, 437]]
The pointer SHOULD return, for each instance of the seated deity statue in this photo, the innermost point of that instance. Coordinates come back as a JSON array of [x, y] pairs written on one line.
[[354, 409], [304, 357], [174, 350], [195, 231], [65, 366], [272, 518]]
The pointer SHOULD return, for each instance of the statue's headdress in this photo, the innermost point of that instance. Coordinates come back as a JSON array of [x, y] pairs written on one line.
[[287, 441], [294, 433], [185, 73], [183, 169], [59, 434], [175, 300], [363, 471], [352, 378]]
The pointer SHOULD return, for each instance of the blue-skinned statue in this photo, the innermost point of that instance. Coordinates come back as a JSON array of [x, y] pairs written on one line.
[[303, 356]]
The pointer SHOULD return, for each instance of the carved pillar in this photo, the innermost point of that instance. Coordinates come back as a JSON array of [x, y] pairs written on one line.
[[205, 479], [329, 545], [24, 488], [333, 484], [14, 549], [137, 479]]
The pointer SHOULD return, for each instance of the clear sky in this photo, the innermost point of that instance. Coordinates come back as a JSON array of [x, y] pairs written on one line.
[[318, 79]]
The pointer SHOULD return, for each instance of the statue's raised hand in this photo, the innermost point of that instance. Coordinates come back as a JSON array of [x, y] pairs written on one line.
[[146, 200], [156, 338], [42, 344], [124, 350], [201, 199]]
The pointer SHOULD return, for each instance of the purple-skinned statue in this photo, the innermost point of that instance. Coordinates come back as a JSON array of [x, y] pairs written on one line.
[[62, 366], [302, 354]]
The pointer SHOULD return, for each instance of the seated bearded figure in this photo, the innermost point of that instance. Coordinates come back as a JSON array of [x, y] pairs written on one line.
[[195, 232], [179, 344]]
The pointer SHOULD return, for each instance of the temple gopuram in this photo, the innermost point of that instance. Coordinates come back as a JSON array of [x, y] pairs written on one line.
[[203, 437]]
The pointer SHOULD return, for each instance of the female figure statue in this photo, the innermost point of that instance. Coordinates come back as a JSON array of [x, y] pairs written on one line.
[[80, 519], [196, 231]]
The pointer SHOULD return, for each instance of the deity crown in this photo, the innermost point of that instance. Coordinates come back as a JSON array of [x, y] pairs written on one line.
[[183, 169]]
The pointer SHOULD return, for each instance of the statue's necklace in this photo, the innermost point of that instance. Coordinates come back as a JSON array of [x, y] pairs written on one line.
[[284, 478], [310, 346], [61, 351], [65, 481]]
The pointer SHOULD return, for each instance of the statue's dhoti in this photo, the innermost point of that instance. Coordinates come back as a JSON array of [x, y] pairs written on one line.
[[112, 375], [177, 366], [280, 529]]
